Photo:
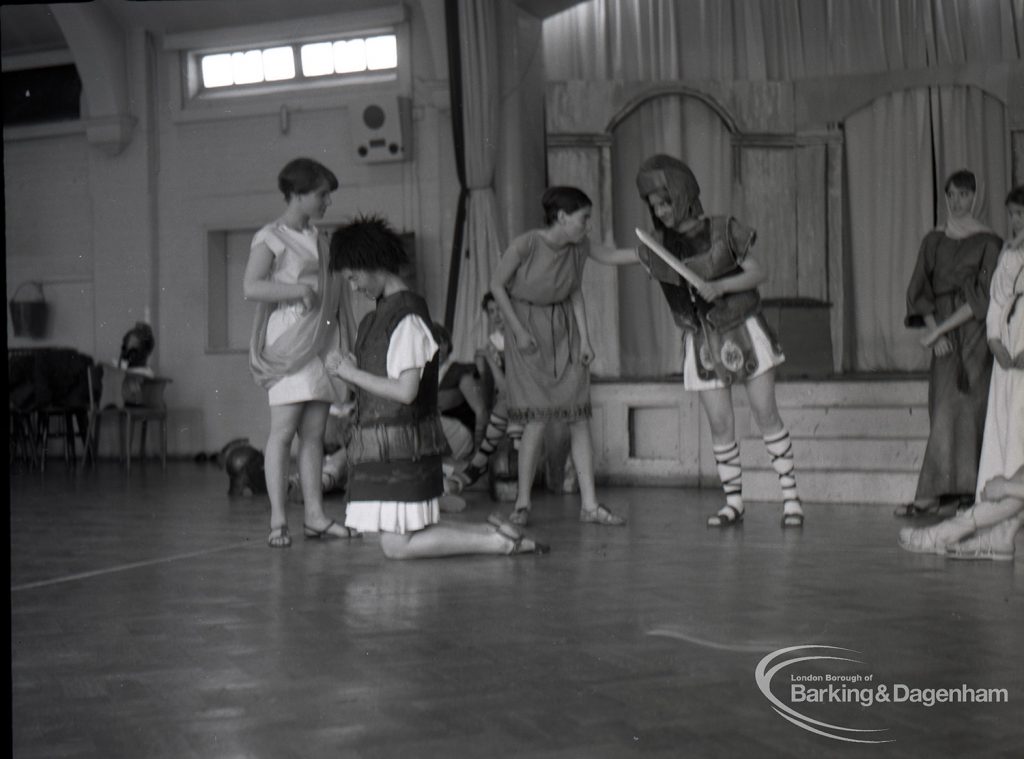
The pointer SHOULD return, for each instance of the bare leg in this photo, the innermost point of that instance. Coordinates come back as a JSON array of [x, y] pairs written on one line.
[[453, 539], [311, 464], [284, 421], [583, 459], [529, 453]]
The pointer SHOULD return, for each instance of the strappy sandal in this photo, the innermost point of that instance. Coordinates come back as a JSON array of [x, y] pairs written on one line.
[[792, 518], [912, 510], [601, 515], [468, 476], [281, 540], [311, 533], [520, 542], [727, 516], [979, 548], [520, 516], [921, 540]]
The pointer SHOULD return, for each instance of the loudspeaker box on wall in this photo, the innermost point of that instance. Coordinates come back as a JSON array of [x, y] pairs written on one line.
[[381, 128]]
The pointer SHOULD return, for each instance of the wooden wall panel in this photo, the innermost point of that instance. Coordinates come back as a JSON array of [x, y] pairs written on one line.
[[811, 232], [767, 179]]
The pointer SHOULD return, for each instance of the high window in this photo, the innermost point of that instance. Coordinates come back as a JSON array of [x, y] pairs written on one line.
[[299, 63]]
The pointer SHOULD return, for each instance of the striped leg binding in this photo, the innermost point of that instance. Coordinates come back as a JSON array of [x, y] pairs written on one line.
[[780, 448], [730, 472], [496, 427]]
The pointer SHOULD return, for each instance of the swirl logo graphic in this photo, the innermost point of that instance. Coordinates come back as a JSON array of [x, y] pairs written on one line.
[[777, 661]]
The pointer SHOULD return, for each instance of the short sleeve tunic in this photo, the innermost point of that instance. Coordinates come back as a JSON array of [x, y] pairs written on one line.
[[550, 382]]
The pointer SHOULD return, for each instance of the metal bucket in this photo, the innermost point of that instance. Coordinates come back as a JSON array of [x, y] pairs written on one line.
[[29, 318]]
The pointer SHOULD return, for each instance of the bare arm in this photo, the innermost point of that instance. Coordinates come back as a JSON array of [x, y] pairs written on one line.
[[579, 311], [751, 276], [999, 488], [257, 285], [402, 389], [961, 316], [609, 256], [507, 266]]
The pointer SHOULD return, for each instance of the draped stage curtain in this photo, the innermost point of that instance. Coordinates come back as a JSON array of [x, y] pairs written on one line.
[[780, 40], [900, 150], [481, 245]]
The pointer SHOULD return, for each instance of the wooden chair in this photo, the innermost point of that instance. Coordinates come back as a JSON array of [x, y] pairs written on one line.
[[47, 399], [134, 398]]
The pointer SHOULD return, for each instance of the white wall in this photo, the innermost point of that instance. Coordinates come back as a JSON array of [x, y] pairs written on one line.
[[115, 237]]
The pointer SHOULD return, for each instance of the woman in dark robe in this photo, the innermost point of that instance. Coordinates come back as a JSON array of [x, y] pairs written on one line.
[[949, 294]]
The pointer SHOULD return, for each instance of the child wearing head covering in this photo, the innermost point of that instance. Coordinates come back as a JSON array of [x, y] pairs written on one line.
[[725, 337], [949, 294]]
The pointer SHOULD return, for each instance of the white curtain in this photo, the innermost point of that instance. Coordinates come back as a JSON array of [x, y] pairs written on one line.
[[900, 150], [481, 245], [890, 181], [776, 40], [891, 176]]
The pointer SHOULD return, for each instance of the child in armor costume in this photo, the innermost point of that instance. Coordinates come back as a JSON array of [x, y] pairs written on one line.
[[726, 339], [397, 443]]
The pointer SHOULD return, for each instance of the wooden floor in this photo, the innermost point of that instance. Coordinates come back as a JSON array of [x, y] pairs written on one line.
[[150, 620]]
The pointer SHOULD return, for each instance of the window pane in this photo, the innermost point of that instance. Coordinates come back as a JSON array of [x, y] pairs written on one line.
[[317, 59], [381, 52], [349, 56], [278, 64], [247, 67], [217, 70]]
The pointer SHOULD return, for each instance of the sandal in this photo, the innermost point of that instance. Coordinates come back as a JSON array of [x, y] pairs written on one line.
[[601, 515], [792, 519], [979, 548], [727, 516], [282, 539], [921, 540], [520, 516], [326, 534], [515, 536], [469, 475], [912, 510]]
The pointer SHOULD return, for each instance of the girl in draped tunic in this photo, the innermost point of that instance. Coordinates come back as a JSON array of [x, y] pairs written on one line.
[[302, 314], [726, 339], [949, 294], [987, 530], [547, 346]]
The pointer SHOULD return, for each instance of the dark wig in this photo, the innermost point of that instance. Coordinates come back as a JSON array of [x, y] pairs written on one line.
[[1016, 196], [367, 243], [559, 198], [303, 175], [963, 180]]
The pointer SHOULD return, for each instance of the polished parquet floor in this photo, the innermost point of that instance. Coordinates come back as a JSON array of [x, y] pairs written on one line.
[[148, 619]]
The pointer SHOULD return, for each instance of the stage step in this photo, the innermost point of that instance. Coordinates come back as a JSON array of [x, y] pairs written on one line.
[[853, 442], [858, 441], [840, 454]]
